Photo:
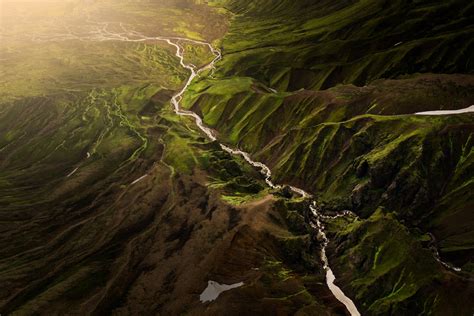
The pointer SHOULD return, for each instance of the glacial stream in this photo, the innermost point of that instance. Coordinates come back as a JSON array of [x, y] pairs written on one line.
[[316, 221], [469, 109], [102, 34]]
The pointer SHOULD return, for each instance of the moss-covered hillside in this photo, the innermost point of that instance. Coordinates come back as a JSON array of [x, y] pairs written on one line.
[[290, 45], [325, 93], [111, 203]]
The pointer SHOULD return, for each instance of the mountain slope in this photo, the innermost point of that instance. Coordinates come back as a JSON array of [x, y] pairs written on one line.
[[111, 203], [326, 98], [306, 44]]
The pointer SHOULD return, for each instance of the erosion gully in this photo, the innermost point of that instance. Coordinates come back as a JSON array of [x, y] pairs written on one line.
[[265, 170], [102, 34]]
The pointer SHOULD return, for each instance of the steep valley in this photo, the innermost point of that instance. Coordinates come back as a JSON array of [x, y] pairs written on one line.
[[114, 201]]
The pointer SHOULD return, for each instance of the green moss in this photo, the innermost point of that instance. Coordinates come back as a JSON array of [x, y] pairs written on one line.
[[243, 198]]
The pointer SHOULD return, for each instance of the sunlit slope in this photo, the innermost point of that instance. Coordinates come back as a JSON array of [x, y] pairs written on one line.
[[26, 19], [91, 241], [110, 203]]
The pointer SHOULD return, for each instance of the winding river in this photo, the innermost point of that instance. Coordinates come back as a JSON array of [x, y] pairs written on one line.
[[265, 170], [102, 34]]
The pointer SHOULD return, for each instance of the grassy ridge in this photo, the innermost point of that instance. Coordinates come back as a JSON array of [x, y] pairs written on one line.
[[327, 42], [92, 119], [306, 91], [349, 145], [397, 273]]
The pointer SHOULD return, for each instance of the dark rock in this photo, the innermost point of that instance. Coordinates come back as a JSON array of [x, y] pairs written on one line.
[[362, 169]]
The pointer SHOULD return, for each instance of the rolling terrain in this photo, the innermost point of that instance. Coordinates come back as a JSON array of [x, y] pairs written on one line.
[[111, 203], [114, 201]]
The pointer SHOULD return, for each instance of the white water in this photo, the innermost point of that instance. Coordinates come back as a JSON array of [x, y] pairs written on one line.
[[72, 172], [139, 179], [330, 278], [214, 289], [445, 264], [437, 256], [469, 109]]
